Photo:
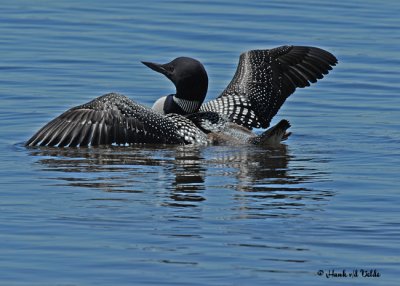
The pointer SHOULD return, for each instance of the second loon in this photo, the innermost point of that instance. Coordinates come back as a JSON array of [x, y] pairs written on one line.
[[264, 79]]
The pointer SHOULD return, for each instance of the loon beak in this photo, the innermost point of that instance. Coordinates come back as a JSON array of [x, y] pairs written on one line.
[[156, 67]]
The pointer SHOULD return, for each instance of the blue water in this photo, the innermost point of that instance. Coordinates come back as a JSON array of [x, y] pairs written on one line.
[[327, 200]]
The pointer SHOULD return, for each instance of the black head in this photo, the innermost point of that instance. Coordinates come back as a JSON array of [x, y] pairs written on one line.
[[188, 75]]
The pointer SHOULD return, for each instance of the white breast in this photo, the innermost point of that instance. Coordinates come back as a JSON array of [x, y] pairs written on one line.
[[158, 106]]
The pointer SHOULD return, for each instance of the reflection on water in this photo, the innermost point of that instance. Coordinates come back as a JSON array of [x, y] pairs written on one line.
[[262, 178]]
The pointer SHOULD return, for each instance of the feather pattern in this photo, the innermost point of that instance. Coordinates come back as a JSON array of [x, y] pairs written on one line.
[[264, 79], [115, 119]]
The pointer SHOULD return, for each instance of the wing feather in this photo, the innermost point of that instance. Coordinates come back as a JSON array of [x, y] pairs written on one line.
[[264, 79], [115, 119]]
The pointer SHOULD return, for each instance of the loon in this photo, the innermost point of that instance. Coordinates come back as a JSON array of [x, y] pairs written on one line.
[[264, 79]]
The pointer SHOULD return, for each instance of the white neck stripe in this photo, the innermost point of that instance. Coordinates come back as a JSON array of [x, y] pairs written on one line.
[[188, 106]]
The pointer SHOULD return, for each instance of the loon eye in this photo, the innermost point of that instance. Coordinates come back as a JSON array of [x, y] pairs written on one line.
[[170, 69]]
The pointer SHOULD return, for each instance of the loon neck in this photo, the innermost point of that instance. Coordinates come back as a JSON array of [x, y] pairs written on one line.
[[175, 104], [190, 94]]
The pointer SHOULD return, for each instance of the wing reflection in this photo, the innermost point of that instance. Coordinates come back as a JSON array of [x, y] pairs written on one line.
[[273, 178]]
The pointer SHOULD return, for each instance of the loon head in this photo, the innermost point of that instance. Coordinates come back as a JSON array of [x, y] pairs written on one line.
[[191, 81]]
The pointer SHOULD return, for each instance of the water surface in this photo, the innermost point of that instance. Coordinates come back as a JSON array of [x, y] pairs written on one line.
[[165, 215]]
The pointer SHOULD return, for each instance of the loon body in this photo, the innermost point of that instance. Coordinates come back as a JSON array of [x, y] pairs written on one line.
[[261, 84]]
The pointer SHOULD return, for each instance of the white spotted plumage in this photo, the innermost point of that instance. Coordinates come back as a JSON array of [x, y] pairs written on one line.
[[261, 84]]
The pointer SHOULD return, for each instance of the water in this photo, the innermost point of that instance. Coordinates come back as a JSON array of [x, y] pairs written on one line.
[[326, 200]]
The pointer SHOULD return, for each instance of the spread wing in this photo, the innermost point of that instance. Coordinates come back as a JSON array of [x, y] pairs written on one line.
[[264, 79], [115, 119]]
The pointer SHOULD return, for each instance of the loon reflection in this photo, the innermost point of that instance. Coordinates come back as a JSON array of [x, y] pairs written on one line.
[[264, 79], [179, 173]]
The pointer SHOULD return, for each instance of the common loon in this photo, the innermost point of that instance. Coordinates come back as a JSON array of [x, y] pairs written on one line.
[[261, 84]]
